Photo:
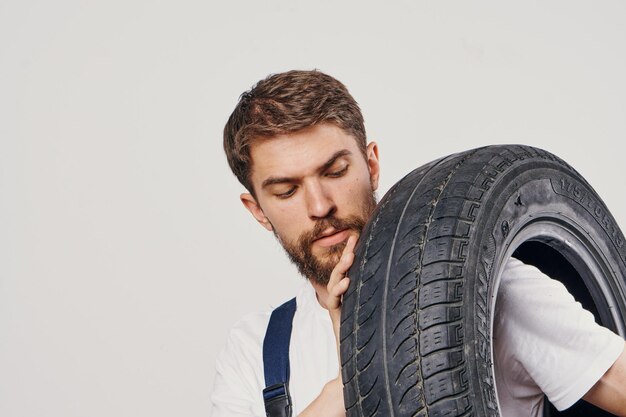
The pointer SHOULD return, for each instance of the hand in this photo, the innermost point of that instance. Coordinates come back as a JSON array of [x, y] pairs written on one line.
[[338, 285], [329, 403]]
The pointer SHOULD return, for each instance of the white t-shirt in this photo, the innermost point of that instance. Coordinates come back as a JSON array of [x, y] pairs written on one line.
[[545, 342], [570, 368], [239, 379]]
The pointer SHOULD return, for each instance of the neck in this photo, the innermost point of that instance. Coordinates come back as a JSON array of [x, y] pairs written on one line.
[[321, 293]]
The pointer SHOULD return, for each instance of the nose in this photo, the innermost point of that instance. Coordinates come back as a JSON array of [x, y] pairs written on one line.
[[319, 202]]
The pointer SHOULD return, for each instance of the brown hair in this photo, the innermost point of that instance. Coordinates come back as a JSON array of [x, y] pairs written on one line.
[[286, 103]]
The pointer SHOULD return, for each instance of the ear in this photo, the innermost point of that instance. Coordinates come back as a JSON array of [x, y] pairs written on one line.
[[253, 207], [373, 164]]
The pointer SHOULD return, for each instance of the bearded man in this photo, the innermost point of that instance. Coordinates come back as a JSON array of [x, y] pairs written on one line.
[[297, 143]]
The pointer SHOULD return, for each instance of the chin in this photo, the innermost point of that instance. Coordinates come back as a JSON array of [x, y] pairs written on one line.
[[329, 262], [331, 255]]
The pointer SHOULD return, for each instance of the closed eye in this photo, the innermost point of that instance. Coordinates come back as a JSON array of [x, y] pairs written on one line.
[[287, 194], [336, 174]]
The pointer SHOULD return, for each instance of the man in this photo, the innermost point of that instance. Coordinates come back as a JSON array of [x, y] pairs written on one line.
[[297, 143]]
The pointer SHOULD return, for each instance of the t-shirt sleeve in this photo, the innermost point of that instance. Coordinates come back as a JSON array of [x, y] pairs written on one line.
[[237, 391], [558, 343]]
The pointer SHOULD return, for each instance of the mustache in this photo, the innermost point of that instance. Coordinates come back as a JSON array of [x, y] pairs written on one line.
[[352, 222]]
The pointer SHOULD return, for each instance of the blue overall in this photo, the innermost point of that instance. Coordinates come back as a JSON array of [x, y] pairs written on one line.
[[276, 361]]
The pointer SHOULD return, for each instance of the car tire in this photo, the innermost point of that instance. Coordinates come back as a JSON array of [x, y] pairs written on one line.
[[416, 329]]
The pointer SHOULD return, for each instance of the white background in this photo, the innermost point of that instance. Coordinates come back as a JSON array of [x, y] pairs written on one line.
[[125, 254]]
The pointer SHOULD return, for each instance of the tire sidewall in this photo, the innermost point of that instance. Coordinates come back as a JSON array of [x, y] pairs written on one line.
[[532, 194]]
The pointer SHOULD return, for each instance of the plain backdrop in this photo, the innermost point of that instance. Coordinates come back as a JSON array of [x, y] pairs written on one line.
[[125, 254]]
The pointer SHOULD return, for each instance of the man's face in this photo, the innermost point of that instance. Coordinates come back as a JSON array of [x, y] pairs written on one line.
[[314, 188]]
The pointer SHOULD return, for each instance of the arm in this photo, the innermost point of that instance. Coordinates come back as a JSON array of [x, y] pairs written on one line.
[[330, 401], [557, 344], [609, 393]]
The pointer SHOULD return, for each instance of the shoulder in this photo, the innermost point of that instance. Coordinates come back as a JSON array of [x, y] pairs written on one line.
[[516, 271], [238, 369], [250, 329], [531, 306], [247, 334], [242, 352], [523, 285]]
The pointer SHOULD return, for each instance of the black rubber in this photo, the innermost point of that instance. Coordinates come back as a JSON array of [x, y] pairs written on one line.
[[417, 318]]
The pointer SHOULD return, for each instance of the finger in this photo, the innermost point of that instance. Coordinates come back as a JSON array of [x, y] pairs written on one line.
[[336, 292], [341, 287], [345, 262], [351, 244]]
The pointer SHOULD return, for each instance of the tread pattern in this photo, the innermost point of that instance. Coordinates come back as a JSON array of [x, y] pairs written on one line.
[[404, 329]]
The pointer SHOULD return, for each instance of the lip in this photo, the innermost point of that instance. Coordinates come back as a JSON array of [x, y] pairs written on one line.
[[332, 238]]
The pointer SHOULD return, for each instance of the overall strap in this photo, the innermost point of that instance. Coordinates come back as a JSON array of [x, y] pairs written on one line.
[[276, 361]]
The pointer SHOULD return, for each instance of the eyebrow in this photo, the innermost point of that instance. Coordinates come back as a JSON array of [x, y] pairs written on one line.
[[326, 165]]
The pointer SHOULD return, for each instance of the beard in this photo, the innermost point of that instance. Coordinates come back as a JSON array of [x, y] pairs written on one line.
[[319, 268]]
